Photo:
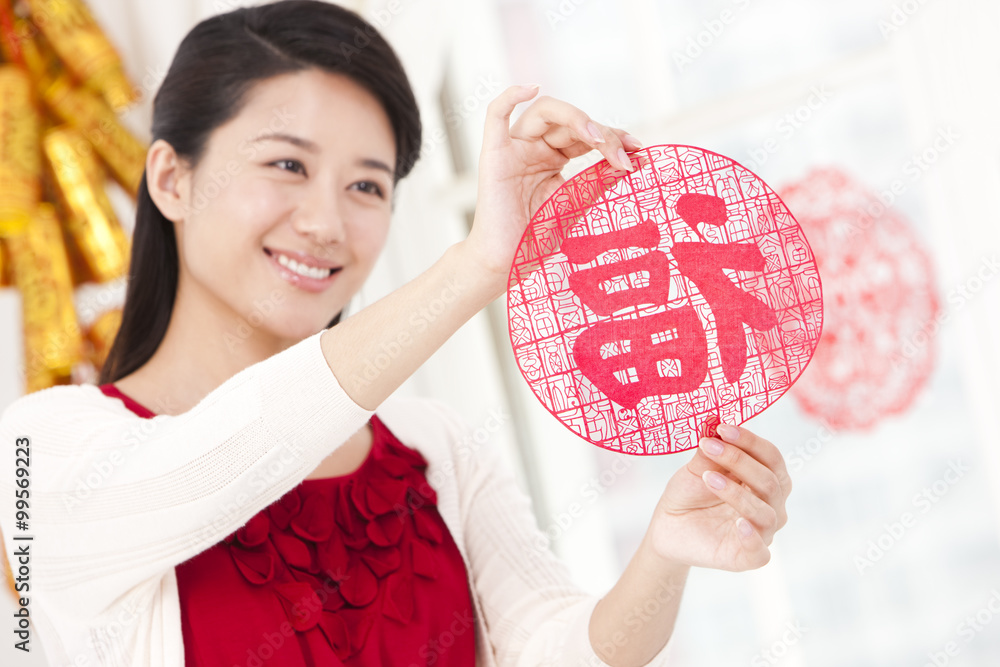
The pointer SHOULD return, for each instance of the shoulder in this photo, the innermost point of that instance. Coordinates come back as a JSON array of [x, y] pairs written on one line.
[[62, 415], [54, 401], [422, 422], [436, 429]]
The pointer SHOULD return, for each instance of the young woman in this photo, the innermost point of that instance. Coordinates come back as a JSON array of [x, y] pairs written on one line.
[[233, 497]]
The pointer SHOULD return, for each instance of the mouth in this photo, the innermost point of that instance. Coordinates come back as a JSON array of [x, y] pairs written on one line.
[[301, 273]]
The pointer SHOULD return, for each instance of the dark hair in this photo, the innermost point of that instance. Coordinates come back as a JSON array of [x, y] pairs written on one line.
[[216, 65]]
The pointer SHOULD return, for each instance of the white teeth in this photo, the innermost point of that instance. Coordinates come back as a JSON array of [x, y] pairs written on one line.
[[302, 269]]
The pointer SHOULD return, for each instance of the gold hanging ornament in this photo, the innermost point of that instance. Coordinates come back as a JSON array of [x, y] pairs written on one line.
[[60, 86], [56, 58], [83, 48], [91, 220], [20, 165]]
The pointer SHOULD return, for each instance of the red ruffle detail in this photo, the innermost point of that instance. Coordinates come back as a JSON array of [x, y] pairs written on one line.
[[343, 548], [255, 565], [287, 506], [302, 605]]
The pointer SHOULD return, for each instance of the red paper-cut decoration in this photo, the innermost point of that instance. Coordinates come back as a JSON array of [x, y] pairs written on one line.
[[646, 308], [876, 351]]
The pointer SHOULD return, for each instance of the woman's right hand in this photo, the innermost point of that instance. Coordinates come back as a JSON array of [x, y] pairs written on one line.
[[520, 165]]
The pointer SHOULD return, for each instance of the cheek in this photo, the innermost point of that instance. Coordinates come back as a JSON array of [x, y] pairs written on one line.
[[369, 237], [226, 228]]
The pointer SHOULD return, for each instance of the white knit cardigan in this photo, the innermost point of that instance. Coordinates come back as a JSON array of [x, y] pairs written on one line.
[[116, 501]]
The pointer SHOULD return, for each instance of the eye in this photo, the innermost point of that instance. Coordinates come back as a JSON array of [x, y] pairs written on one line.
[[370, 187], [293, 166]]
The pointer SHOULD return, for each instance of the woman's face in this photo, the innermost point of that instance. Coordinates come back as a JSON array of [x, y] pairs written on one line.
[[289, 206]]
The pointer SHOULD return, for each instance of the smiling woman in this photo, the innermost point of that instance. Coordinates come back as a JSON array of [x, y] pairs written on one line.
[[269, 500], [312, 198], [240, 126]]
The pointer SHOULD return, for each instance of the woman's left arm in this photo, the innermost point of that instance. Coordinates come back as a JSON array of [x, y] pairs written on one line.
[[721, 510]]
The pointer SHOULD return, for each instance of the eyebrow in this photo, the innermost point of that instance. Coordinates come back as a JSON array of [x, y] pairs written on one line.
[[312, 147]]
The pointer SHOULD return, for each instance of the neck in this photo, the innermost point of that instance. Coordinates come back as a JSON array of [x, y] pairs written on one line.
[[205, 344]]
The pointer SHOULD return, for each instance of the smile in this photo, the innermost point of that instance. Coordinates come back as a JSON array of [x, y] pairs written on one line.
[[309, 278]]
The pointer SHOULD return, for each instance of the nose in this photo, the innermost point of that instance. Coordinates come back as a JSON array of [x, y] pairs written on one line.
[[319, 216]]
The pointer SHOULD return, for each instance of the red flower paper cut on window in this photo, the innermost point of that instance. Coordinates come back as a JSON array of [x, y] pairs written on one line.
[[877, 348], [646, 308]]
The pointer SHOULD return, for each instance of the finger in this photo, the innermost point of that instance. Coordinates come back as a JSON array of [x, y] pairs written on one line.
[[760, 449], [548, 114], [701, 462], [628, 141], [762, 516], [496, 132], [756, 551], [745, 468]]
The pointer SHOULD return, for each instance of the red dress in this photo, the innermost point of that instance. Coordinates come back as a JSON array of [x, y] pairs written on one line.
[[352, 570]]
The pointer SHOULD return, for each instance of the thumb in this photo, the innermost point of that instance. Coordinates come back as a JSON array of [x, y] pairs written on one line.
[[496, 133]]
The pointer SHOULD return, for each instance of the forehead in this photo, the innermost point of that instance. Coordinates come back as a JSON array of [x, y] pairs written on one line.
[[328, 109]]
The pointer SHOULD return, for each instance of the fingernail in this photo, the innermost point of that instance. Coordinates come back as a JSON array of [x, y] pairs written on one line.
[[728, 432], [530, 87], [715, 480], [595, 133], [744, 527], [632, 140], [623, 158], [712, 446]]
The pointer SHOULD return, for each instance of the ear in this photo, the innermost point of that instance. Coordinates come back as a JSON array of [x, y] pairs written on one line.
[[168, 179]]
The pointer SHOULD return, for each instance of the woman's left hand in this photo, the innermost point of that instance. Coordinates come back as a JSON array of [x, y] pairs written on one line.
[[729, 528], [520, 165]]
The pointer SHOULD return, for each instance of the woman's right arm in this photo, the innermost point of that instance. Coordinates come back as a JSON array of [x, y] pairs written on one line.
[[114, 500]]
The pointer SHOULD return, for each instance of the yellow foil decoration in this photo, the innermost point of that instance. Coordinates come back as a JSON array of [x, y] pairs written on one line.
[[91, 220], [20, 163], [40, 269], [102, 334], [120, 149], [84, 49]]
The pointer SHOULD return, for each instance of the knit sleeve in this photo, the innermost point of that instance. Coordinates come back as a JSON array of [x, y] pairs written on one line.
[[116, 499], [535, 613]]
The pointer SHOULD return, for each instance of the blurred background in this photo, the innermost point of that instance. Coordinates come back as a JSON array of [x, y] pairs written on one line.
[[874, 116]]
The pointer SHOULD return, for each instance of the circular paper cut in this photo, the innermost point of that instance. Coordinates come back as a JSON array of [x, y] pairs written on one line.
[[645, 308], [876, 351]]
